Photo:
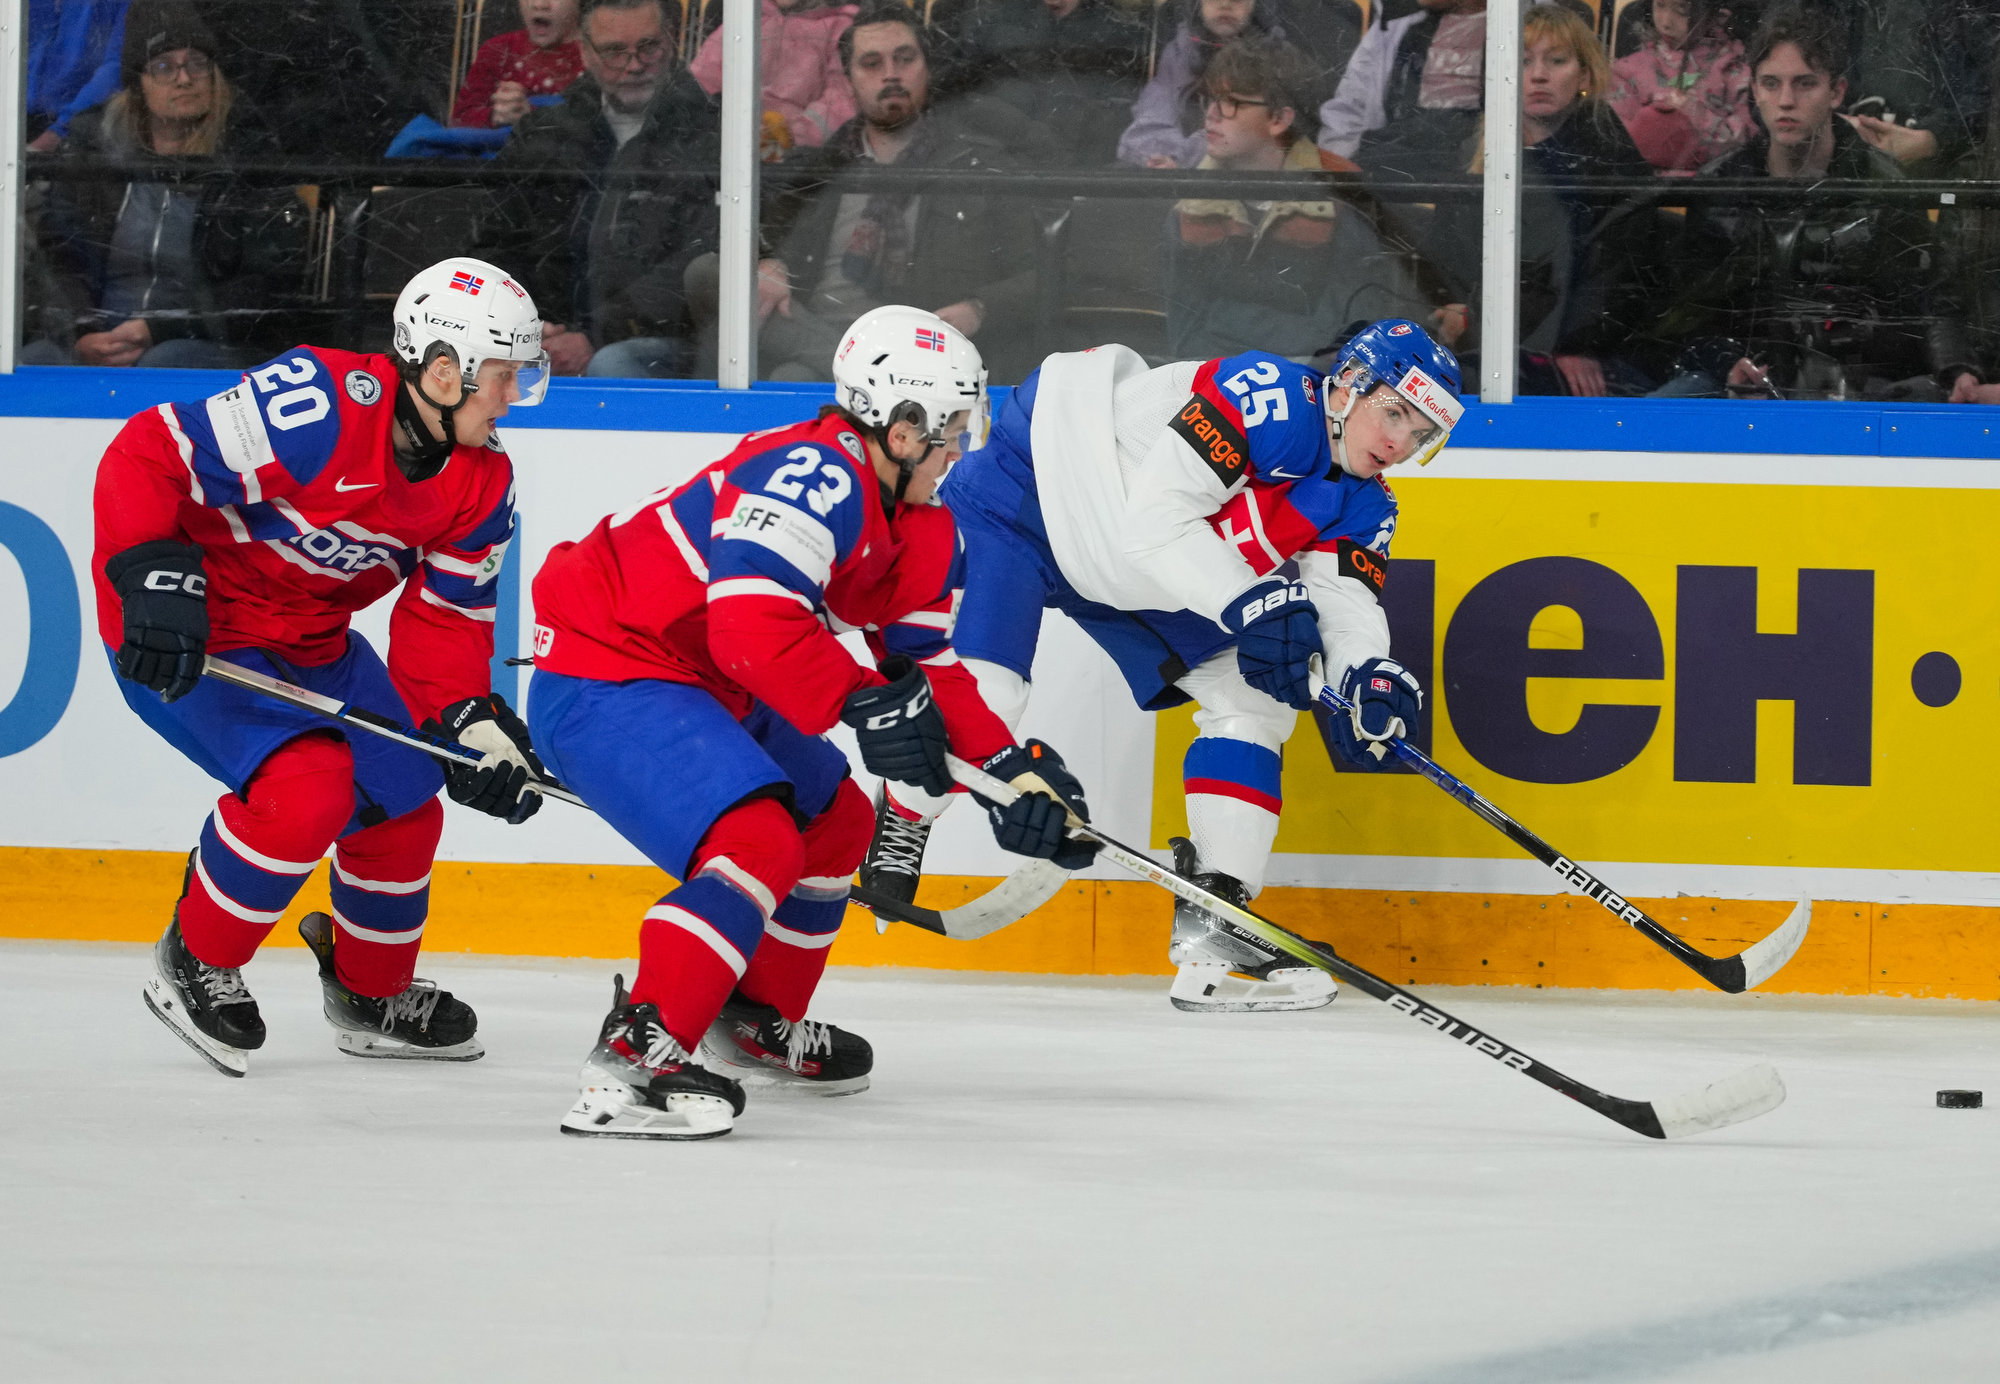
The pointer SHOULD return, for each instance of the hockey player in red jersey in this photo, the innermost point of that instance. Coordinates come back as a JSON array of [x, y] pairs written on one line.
[[686, 667], [256, 523]]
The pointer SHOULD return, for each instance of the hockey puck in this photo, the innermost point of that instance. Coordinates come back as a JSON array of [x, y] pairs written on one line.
[[1961, 1100]]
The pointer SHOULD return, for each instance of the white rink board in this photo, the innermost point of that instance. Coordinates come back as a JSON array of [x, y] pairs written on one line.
[[1046, 1183], [103, 780]]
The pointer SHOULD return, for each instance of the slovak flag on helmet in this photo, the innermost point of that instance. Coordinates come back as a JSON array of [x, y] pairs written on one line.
[[929, 339], [466, 283]]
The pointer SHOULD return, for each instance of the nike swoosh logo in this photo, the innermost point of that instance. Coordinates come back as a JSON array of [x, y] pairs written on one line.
[[343, 487]]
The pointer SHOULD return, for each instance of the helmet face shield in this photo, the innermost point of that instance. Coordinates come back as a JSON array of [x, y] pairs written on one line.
[[978, 425], [533, 380], [1438, 411]]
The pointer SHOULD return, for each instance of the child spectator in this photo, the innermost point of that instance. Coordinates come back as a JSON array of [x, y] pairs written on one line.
[[1685, 94], [1282, 276], [799, 59], [541, 58], [1167, 129]]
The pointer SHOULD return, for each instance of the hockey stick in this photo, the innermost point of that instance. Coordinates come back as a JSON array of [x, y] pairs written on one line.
[[1746, 970], [348, 714], [1009, 901], [1743, 1096]]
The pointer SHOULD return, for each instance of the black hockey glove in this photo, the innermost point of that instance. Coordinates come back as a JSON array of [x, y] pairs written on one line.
[[1034, 823], [1386, 701], [501, 784], [1277, 633], [165, 598], [900, 729]]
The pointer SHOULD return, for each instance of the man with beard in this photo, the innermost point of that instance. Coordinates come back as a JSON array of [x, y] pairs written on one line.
[[968, 258]]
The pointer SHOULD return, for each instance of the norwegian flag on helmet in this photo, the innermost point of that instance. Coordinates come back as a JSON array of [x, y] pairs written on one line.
[[466, 283], [929, 339]]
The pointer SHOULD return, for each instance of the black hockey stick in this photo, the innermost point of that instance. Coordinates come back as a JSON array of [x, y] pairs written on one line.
[[1746, 970], [1747, 1094], [348, 714]]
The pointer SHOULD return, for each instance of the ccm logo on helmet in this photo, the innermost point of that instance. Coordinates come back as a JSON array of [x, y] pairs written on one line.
[[194, 583]]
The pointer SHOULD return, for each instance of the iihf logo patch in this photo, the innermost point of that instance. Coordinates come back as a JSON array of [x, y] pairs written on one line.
[[363, 387], [466, 283], [929, 339]]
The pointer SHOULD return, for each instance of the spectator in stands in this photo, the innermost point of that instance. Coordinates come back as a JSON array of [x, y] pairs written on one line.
[[1684, 94], [156, 273], [1167, 129], [1282, 276], [605, 260], [798, 47], [74, 52], [1972, 243], [1582, 302], [1410, 100], [1834, 300], [1071, 68], [965, 256], [541, 58], [1915, 89]]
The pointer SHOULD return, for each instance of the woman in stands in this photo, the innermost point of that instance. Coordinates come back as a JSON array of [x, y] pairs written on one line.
[[163, 273]]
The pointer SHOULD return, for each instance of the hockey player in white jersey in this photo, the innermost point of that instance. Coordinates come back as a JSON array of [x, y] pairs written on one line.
[[1170, 526]]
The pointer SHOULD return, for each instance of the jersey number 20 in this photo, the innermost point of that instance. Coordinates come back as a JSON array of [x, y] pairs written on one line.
[[294, 408]]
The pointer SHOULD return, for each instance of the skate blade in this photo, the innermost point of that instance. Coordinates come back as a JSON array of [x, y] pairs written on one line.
[[617, 1112], [167, 1009], [363, 1043], [1213, 990], [769, 1079]]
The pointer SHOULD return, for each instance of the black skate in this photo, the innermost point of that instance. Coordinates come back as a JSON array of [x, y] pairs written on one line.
[[638, 1083], [755, 1043], [1222, 973], [206, 1005], [895, 860], [423, 1022]]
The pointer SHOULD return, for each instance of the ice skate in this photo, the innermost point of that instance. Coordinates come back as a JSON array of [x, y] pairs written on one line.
[[638, 1083], [895, 860], [755, 1043], [423, 1022], [1224, 974], [207, 1006]]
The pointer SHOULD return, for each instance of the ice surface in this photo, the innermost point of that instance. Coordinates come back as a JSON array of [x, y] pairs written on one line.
[[1047, 1182]]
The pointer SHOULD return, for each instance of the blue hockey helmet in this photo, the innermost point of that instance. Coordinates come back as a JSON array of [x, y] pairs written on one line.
[[1397, 354]]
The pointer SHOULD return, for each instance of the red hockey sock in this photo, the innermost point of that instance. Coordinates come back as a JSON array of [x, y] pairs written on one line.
[[381, 890], [789, 962], [258, 847]]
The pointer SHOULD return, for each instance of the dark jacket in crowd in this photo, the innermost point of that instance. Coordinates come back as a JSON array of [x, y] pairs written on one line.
[[228, 263], [1583, 290], [1853, 283], [608, 255], [964, 245], [1075, 77], [1920, 62]]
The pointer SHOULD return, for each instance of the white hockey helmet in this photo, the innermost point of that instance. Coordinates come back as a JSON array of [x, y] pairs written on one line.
[[905, 364], [474, 310]]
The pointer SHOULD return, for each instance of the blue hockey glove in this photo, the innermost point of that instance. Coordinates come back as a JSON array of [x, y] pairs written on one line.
[[1277, 633], [1386, 701], [900, 729], [164, 597], [1034, 823]]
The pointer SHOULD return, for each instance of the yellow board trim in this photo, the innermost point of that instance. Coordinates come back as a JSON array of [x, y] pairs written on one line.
[[1097, 927]]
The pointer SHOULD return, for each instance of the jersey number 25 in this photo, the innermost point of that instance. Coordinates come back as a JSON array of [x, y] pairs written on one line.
[[1259, 404]]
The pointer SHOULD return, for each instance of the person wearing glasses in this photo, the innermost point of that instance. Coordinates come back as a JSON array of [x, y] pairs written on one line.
[[606, 258], [253, 524], [162, 273], [1283, 275]]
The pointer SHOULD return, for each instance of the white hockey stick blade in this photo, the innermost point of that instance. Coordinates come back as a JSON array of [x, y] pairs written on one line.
[[1749, 1093], [1009, 901], [1769, 956]]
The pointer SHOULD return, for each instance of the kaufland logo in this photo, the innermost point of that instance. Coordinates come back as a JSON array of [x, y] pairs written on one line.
[[466, 283], [1425, 392]]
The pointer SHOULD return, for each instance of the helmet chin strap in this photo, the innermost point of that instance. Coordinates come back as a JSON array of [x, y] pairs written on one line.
[[427, 454], [1336, 427]]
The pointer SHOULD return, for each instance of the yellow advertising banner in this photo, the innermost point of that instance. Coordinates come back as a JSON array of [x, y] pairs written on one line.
[[1734, 674]]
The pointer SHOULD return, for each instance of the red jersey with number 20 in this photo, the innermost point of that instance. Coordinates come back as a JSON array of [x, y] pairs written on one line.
[[737, 581], [288, 484]]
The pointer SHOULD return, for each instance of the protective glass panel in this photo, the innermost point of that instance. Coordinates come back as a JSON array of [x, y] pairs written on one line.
[[210, 181]]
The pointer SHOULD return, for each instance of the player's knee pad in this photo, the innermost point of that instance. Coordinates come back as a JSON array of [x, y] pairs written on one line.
[[837, 839], [756, 848], [299, 799], [1003, 690], [1240, 712]]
